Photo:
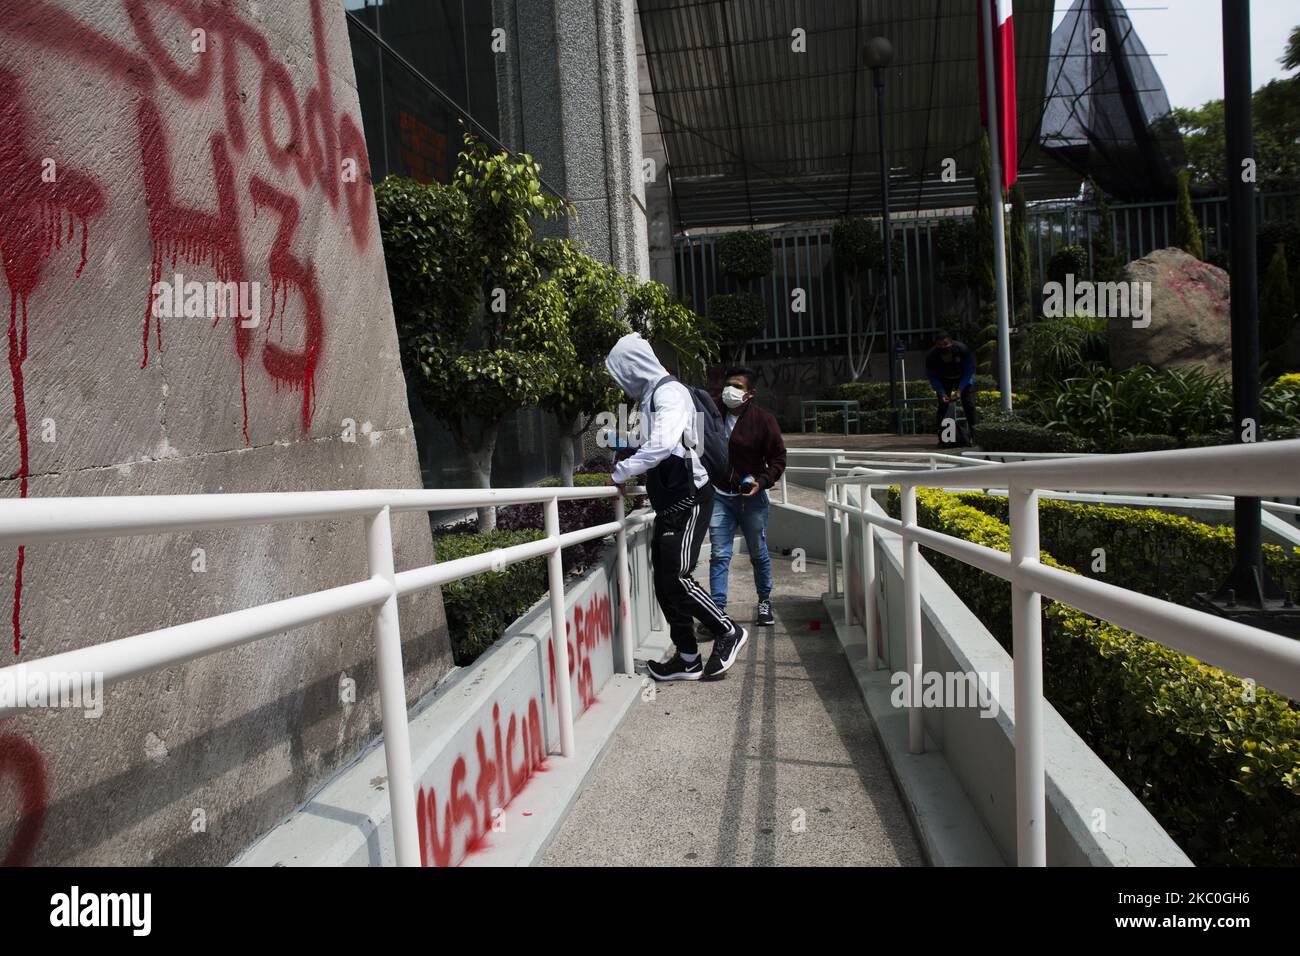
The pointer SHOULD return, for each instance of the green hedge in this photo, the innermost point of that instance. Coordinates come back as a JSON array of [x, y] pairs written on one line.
[[479, 609], [1167, 556], [875, 394], [998, 432], [1220, 773]]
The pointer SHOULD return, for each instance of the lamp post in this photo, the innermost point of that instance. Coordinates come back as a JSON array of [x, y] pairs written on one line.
[[879, 54], [1248, 594]]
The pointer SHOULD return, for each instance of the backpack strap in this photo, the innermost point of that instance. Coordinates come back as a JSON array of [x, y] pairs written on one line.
[[663, 381]]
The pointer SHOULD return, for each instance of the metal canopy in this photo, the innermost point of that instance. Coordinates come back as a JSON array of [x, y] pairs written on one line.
[[757, 133]]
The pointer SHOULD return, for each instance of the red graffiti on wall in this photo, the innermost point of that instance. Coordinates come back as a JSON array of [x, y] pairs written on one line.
[[316, 150], [22, 762], [500, 779], [35, 198]]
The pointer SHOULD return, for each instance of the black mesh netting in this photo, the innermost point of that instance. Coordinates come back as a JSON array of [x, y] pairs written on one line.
[[1106, 114]]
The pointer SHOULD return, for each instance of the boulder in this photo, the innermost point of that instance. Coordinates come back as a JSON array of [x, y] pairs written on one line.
[[1190, 315]]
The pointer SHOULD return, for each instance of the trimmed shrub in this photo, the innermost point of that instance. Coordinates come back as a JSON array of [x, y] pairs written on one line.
[[874, 395], [745, 254], [737, 316], [1000, 433], [479, 609], [1068, 260], [1168, 556], [1220, 774], [993, 399]]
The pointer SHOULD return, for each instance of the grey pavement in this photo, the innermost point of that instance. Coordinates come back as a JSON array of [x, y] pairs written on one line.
[[776, 764]]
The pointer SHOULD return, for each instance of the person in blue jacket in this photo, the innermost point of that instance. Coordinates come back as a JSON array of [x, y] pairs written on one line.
[[950, 367]]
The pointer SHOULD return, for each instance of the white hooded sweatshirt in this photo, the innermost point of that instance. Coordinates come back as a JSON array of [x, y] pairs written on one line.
[[633, 366]]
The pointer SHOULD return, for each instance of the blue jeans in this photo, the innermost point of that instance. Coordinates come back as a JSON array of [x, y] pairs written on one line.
[[751, 515]]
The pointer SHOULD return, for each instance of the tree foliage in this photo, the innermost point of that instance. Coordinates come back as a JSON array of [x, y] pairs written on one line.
[[745, 254], [1187, 231], [661, 319]]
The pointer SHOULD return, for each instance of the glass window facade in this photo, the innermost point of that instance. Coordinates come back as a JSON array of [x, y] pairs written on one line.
[[431, 65]]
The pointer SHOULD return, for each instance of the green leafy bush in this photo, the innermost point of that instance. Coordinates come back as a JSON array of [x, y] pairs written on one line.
[[1103, 405], [1054, 349], [737, 316], [480, 608], [1066, 261], [1016, 433], [1220, 773], [745, 254], [858, 246], [874, 395], [1168, 556], [993, 399]]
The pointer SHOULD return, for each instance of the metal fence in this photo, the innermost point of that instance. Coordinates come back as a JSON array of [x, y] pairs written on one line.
[[803, 260]]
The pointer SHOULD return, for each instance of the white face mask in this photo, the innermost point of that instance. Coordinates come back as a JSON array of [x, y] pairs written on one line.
[[733, 397]]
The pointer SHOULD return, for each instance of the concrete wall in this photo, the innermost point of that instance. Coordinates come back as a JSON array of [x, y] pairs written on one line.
[[1092, 818], [217, 154], [575, 110], [477, 745]]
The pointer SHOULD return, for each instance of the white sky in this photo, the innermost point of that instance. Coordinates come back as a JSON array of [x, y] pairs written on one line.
[[1185, 40]]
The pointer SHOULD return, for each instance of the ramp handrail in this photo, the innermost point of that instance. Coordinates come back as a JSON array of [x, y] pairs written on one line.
[[28, 520], [1259, 470]]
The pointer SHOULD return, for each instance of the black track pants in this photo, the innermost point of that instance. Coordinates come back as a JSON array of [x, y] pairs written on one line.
[[678, 533]]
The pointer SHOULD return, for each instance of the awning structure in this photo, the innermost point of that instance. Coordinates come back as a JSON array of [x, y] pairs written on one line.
[[758, 133]]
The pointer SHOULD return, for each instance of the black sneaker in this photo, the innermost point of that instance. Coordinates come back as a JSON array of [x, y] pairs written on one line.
[[725, 651], [677, 669], [765, 618], [702, 633]]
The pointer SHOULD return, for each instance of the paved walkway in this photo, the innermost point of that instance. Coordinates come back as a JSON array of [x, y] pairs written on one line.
[[776, 764]]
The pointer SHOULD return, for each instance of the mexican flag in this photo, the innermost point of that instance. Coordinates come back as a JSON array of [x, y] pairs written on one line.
[[996, 15]]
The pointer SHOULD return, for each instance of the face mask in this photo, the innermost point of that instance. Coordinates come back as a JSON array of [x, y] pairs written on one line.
[[733, 397]]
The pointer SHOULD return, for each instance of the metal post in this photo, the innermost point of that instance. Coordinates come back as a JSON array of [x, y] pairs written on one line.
[[999, 236], [1027, 674], [869, 582], [1248, 581], [555, 581], [891, 307], [912, 620], [785, 491], [392, 693], [845, 526], [624, 587], [830, 541]]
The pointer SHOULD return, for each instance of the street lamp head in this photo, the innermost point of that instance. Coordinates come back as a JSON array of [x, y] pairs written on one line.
[[878, 53]]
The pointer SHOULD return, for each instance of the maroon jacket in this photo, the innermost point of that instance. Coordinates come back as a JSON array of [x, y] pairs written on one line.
[[756, 447]]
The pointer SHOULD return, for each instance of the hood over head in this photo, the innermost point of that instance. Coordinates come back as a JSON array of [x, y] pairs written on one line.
[[633, 366]]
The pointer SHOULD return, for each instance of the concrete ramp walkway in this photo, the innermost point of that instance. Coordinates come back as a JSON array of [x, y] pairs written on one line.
[[776, 764]]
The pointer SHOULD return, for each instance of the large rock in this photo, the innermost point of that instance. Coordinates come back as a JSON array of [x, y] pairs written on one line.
[[1190, 315]]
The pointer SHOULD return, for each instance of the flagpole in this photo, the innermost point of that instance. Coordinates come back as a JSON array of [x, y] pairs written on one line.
[[999, 228]]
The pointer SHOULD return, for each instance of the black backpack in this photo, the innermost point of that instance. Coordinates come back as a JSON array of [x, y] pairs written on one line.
[[713, 451]]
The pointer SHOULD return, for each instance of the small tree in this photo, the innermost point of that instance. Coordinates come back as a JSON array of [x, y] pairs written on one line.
[[1020, 280], [481, 331], [983, 277], [743, 257], [1277, 305], [737, 317], [1187, 233], [859, 248], [1106, 265], [594, 298]]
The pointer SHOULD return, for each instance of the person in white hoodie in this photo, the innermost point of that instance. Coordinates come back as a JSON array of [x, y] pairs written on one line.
[[682, 497]]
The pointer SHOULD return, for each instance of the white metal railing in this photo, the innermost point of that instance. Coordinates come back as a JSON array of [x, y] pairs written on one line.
[[1268, 468], [31, 520]]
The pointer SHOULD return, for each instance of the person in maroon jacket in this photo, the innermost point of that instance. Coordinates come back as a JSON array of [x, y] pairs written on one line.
[[756, 459]]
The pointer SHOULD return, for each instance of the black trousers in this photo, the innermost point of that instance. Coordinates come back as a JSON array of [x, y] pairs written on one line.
[[679, 532], [967, 407]]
